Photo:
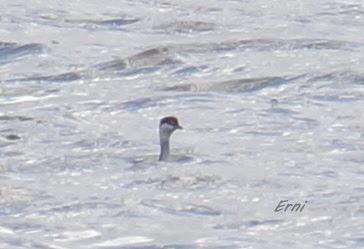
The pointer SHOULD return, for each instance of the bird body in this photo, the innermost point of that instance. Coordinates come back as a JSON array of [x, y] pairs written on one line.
[[167, 126]]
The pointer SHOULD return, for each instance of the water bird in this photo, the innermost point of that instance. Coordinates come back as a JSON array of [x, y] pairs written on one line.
[[167, 126]]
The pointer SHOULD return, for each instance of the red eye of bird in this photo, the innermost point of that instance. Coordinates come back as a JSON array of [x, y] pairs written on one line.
[[170, 120]]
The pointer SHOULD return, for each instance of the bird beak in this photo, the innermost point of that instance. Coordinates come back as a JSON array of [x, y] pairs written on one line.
[[179, 127]]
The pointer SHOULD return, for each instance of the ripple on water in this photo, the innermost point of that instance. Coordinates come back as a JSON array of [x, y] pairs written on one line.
[[112, 24], [123, 241], [10, 51], [186, 27], [231, 86], [175, 208]]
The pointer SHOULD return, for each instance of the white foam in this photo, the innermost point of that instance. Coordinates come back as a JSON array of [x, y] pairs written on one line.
[[124, 241]]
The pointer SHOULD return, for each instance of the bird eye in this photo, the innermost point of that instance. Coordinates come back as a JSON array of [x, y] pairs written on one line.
[[170, 120]]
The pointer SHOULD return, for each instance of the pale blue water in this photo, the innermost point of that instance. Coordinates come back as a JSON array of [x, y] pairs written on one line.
[[270, 95]]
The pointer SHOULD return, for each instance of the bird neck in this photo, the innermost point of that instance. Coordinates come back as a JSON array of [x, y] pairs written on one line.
[[164, 143]]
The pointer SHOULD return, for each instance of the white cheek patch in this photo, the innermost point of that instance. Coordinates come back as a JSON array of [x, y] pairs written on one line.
[[167, 126]]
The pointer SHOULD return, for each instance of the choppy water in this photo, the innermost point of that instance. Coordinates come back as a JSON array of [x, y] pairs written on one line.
[[270, 93]]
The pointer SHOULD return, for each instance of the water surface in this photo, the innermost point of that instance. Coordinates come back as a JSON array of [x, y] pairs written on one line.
[[270, 95]]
